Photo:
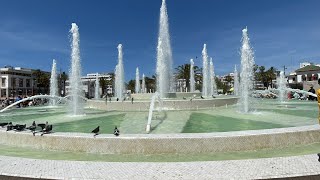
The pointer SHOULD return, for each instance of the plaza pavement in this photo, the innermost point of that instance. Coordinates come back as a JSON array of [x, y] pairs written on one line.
[[303, 167]]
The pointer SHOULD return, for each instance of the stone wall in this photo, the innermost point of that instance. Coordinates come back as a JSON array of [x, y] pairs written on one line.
[[166, 143], [167, 104]]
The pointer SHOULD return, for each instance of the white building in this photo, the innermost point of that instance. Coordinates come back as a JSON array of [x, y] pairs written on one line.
[[17, 81], [88, 84]]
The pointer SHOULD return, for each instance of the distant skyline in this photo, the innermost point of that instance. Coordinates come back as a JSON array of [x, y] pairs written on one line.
[[282, 32]]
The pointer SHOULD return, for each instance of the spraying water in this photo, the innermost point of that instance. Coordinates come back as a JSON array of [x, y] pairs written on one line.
[[97, 87], [143, 84], [119, 75], [137, 87], [281, 81], [246, 74], [76, 105], [164, 72], [153, 100], [192, 81], [205, 73], [236, 81], [213, 85], [53, 83]]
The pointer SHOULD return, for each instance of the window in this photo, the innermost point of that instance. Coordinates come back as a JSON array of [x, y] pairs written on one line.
[[13, 82], [3, 93], [28, 83], [293, 79], [20, 82], [3, 82]]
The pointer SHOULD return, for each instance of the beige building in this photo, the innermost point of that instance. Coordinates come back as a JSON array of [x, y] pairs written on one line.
[[16, 81]]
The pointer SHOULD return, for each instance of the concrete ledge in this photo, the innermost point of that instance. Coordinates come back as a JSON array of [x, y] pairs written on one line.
[[166, 143], [168, 104]]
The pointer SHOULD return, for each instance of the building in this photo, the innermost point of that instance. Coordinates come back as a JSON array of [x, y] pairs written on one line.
[[89, 81], [305, 77], [17, 81]]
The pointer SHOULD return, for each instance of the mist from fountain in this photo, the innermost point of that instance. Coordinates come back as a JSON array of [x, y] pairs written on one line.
[[119, 75], [143, 88], [205, 73], [192, 80], [97, 87], [236, 81], [213, 85], [282, 88], [137, 86], [53, 83], [76, 105], [164, 71], [246, 74]]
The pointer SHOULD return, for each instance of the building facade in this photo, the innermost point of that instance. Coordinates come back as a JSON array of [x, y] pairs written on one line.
[[17, 81], [305, 77], [89, 81]]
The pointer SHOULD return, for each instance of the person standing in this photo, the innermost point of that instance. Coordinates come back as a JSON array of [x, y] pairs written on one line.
[[318, 97]]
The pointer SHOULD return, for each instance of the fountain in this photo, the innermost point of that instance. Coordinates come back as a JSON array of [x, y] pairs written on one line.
[[119, 75], [164, 72], [137, 86], [97, 87], [153, 100], [281, 81], [192, 80], [236, 81], [213, 85], [76, 105], [205, 73], [246, 74], [53, 83], [143, 88]]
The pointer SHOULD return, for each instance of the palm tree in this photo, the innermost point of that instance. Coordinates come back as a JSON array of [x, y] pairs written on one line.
[[183, 72], [103, 84], [42, 79]]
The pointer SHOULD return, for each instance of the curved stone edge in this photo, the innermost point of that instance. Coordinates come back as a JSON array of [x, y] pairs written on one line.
[[166, 143], [168, 104], [296, 167]]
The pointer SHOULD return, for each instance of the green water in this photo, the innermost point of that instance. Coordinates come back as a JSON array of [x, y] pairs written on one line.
[[204, 123], [106, 123], [58, 155]]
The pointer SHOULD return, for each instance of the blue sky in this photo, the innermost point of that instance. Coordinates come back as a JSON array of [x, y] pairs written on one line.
[[282, 32]]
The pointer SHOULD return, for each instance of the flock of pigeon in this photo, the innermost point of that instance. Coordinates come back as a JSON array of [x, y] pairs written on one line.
[[44, 128]]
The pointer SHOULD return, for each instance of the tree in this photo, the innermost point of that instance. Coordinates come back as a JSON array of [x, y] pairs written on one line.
[[103, 84], [131, 85], [183, 72], [63, 78], [42, 79]]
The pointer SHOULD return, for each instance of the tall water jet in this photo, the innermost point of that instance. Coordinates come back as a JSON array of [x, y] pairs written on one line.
[[246, 74], [236, 81], [119, 75], [213, 85], [97, 87], [281, 81], [205, 72], [192, 80], [137, 86], [53, 83], [143, 84], [164, 72], [76, 105]]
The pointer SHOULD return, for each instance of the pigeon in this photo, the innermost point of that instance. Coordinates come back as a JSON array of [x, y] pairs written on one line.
[[202, 97], [20, 127], [32, 128], [319, 157], [3, 124], [47, 129], [116, 131], [96, 131]]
